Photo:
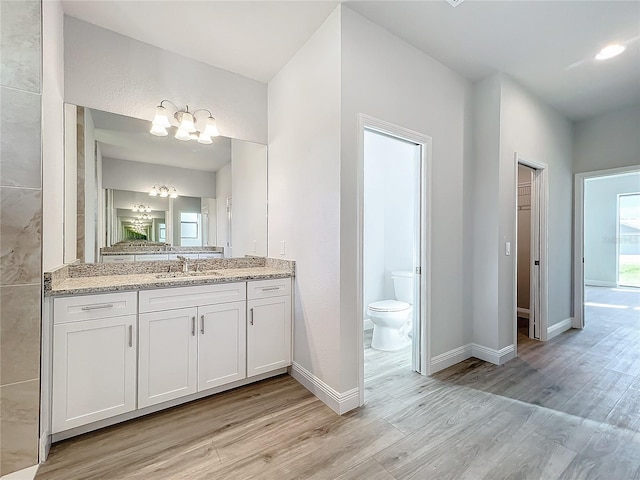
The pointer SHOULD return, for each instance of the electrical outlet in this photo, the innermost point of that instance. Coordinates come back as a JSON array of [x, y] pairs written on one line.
[[507, 248], [255, 246], [282, 249]]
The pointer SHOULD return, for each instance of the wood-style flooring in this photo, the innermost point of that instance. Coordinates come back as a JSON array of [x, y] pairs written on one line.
[[565, 409]]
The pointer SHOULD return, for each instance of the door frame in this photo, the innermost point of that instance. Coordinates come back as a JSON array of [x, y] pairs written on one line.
[[425, 142], [578, 236], [539, 196]]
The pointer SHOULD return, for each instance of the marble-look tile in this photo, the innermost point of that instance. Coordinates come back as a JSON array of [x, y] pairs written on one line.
[[19, 405], [20, 150], [19, 333], [20, 236], [20, 42]]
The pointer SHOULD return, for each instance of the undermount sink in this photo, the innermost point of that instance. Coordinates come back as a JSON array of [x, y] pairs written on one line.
[[206, 273]]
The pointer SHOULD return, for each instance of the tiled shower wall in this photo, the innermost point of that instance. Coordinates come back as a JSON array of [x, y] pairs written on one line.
[[20, 231]]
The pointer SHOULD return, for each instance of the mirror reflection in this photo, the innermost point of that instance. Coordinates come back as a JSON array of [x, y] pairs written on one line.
[[144, 197]]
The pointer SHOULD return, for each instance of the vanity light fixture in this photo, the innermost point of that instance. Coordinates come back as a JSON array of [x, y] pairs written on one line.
[[610, 51], [163, 192], [144, 216], [141, 208], [186, 123]]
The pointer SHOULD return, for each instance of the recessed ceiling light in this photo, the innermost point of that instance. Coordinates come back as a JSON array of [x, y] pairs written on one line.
[[610, 51]]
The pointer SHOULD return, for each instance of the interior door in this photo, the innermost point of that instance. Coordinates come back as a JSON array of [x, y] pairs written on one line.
[[418, 334], [535, 301]]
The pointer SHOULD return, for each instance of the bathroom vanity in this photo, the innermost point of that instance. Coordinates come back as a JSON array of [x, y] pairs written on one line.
[[130, 339]]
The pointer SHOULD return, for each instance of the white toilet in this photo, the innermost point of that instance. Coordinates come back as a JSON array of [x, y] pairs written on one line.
[[392, 318]]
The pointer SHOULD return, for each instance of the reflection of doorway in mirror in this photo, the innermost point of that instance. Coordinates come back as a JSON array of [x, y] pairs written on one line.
[[228, 245], [190, 229]]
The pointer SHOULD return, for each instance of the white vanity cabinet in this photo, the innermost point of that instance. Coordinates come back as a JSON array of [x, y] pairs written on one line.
[[167, 355], [268, 325], [120, 355], [191, 339], [94, 358]]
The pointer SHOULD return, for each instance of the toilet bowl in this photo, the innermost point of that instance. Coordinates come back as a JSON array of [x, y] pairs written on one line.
[[392, 319]]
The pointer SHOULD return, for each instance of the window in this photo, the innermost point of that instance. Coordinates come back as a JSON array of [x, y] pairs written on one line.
[[629, 240]]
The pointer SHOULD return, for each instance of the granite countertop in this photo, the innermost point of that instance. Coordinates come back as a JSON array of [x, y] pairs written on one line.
[[159, 252], [119, 283], [85, 279]]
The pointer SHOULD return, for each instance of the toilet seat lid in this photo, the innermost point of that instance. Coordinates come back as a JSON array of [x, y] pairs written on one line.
[[389, 306]]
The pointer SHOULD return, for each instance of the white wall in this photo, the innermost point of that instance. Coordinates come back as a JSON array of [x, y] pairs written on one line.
[[386, 78], [601, 226], [484, 218], [114, 73], [140, 177], [249, 187], [509, 120], [304, 194], [52, 134], [607, 141], [223, 191], [390, 175], [537, 132]]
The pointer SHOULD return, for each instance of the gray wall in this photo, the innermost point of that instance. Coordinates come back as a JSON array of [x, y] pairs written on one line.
[[140, 177], [601, 226], [607, 141], [20, 232], [108, 71]]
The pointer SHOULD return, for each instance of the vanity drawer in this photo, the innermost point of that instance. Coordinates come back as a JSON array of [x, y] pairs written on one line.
[[117, 258], [268, 288], [92, 307], [151, 257], [202, 256], [180, 297]]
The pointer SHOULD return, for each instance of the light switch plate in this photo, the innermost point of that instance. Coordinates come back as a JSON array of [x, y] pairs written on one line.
[[282, 247]]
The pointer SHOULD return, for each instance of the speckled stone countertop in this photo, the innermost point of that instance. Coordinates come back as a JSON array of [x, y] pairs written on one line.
[[82, 279], [156, 250]]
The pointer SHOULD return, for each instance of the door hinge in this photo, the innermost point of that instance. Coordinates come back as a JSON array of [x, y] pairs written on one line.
[[418, 270], [537, 262]]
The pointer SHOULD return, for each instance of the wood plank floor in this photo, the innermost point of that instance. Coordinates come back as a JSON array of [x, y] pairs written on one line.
[[565, 409]]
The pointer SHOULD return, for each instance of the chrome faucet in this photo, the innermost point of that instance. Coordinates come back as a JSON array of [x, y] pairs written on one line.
[[185, 263]]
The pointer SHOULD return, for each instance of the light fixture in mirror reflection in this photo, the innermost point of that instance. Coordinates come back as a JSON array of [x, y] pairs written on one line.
[[117, 161]]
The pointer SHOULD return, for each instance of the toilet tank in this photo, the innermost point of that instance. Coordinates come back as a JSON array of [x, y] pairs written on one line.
[[403, 285]]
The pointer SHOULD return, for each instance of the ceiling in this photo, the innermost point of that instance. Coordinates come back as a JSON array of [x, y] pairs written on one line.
[[547, 46], [126, 138]]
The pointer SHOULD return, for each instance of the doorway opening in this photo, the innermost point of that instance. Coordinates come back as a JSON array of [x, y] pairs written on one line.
[[607, 245], [530, 265], [393, 252]]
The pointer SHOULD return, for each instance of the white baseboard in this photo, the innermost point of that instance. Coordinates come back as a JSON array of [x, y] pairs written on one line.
[[523, 312], [447, 359], [497, 357], [28, 473], [368, 324], [558, 328], [338, 402], [600, 283]]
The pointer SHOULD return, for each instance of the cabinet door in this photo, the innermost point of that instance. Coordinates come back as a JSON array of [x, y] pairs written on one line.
[[94, 370], [268, 334], [221, 344], [167, 355]]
